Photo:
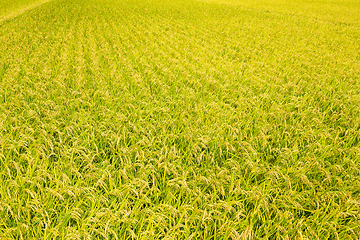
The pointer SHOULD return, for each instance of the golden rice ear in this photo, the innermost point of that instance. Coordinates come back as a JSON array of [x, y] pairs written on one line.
[[179, 119]]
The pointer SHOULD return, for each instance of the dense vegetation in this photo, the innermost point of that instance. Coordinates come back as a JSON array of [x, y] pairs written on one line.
[[180, 119], [12, 8]]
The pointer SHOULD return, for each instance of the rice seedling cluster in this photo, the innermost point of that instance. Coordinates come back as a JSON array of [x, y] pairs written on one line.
[[180, 119]]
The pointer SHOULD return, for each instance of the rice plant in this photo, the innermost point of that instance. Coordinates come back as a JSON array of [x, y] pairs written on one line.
[[179, 119]]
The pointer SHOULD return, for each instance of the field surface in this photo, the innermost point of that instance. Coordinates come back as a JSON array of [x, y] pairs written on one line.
[[12, 8], [180, 119]]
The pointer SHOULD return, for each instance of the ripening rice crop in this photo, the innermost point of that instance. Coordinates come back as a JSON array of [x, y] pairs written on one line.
[[180, 119]]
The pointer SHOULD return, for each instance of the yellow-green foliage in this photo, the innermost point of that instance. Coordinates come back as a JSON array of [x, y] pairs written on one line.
[[12, 8], [345, 11], [10, 5], [180, 119]]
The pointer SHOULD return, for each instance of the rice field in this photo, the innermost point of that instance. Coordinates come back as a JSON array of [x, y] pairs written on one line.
[[180, 119]]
